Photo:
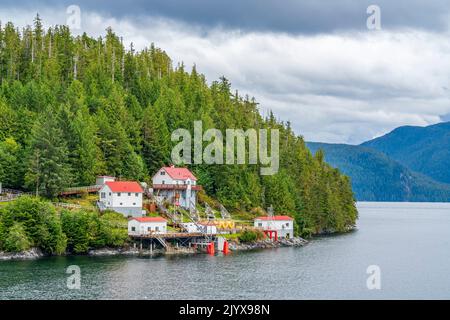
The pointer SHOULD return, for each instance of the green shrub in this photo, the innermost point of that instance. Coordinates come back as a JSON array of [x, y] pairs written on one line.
[[39, 220], [81, 228], [250, 236], [16, 239], [86, 230], [114, 229]]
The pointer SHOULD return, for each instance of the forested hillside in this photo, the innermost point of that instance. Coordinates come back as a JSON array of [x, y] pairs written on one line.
[[422, 149], [75, 107], [377, 177]]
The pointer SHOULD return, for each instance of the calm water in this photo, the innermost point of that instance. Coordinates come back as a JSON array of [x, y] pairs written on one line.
[[409, 242]]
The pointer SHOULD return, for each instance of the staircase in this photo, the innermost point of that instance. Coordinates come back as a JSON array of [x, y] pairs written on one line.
[[101, 206], [166, 212], [224, 213], [163, 242], [209, 212], [193, 212]]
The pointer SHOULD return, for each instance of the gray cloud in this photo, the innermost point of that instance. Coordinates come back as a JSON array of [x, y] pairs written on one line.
[[293, 16], [343, 86]]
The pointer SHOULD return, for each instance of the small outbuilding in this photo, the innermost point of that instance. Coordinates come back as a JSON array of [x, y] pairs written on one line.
[[101, 180], [202, 227], [147, 225], [276, 226]]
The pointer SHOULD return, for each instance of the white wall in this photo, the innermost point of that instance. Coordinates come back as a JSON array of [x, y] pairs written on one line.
[[163, 178], [142, 228], [107, 199], [283, 227], [126, 200]]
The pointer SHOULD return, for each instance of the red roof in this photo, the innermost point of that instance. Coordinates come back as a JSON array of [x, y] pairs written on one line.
[[179, 173], [150, 219], [124, 186], [277, 218]]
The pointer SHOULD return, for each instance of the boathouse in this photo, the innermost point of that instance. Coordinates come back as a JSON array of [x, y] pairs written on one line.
[[276, 226]]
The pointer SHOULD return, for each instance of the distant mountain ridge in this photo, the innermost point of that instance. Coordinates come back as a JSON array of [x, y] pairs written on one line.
[[422, 149], [377, 177]]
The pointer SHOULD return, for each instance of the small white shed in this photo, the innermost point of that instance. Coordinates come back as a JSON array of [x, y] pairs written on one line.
[[147, 225], [207, 228], [101, 180]]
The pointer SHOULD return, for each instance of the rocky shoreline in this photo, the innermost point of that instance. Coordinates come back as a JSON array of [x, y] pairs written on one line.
[[268, 244], [35, 253]]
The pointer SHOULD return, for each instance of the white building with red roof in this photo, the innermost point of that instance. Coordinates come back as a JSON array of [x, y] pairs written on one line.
[[278, 226], [147, 225], [176, 185], [122, 196]]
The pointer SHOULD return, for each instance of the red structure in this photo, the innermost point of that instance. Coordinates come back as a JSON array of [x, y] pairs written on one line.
[[210, 248], [225, 250], [271, 234]]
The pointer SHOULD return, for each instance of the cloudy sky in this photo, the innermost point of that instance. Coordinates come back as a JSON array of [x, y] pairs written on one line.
[[312, 62]]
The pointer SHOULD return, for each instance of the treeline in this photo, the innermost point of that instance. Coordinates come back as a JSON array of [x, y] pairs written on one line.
[[75, 107], [33, 223]]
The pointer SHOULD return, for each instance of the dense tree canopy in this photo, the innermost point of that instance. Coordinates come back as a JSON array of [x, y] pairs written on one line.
[[75, 107]]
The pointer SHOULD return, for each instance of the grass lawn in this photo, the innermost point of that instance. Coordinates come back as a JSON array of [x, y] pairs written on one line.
[[233, 236], [85, 201]]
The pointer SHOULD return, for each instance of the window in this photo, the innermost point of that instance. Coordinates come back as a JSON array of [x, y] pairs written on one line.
[[259, 224], [156, 228], [118, 194], [149, 229], [129, 194], [121, 203], [110, 193], [134, 203], [103, 195], [133, 228], [287, 224], [136, 194], [163, 173], [163, 182]]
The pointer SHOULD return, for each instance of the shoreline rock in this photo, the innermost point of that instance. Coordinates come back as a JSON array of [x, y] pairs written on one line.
[[36, 253], [33, 253], [268, 244], [129, 251]]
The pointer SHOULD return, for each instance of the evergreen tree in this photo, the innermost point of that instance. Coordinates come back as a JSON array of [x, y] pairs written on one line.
[[48, 170]]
